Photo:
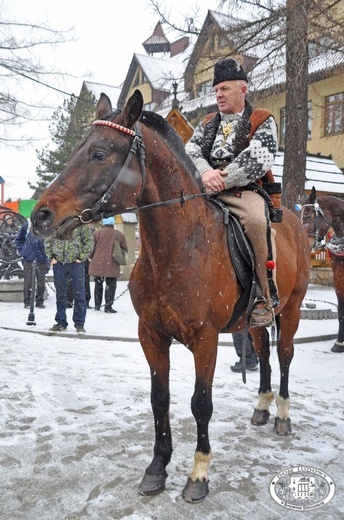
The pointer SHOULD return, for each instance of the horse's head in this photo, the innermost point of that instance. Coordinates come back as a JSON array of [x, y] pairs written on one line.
[[315, 220], [104, 176]]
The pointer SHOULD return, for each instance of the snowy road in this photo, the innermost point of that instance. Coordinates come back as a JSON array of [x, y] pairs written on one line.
[[77, 432]]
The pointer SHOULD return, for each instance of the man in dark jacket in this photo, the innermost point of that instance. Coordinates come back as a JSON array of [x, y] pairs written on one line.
[[31, 248]]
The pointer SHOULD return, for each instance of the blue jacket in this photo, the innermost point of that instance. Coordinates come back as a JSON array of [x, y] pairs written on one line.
[[30, 246]]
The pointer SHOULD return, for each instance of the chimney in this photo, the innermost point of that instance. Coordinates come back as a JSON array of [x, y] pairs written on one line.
[[179, 46]]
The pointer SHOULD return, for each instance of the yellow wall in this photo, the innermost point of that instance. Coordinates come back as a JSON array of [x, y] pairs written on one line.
[[326, 145], [144, 88], [319, 143]]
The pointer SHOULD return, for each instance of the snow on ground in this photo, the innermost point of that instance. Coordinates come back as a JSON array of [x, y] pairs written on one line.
[[76, 429]]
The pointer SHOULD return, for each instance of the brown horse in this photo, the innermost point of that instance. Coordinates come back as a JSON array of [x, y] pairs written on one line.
[[319, 214], [183, 285]]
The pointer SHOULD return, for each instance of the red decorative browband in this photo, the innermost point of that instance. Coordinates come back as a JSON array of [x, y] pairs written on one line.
[[115, 126]]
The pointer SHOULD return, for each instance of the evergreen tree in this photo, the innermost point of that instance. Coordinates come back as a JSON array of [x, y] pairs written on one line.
[[69, 124]]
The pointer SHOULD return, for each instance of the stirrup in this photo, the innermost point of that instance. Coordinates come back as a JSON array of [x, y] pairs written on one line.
[[262, 314]]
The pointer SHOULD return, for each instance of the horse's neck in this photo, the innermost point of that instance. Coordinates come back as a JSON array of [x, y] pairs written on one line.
[[171, 225], [168, 179]]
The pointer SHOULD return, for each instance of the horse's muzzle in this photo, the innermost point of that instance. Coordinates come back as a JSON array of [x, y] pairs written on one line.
[[42, 222]]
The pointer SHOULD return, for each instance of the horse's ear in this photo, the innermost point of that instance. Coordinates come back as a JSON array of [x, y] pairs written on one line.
[[313, 195], [103, 106], [133, 109]]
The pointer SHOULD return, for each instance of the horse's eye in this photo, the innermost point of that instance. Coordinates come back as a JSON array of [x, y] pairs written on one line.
[[99, 155]]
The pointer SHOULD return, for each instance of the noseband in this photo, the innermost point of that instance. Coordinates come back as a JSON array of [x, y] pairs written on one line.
[[137, 148], [318, 213]]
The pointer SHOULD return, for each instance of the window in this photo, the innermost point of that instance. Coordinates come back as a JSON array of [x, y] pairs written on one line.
[[282, 124], [136, 81], [334, 114], [204, 88], [150, 106]]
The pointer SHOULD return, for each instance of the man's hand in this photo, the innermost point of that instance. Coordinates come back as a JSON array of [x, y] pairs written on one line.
[[213, 181]]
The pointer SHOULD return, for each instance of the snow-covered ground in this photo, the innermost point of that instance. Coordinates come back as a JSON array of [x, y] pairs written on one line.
[[76, 429]]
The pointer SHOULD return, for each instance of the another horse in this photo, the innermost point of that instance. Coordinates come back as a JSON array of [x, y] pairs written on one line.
[[183, 285], [319, 214]]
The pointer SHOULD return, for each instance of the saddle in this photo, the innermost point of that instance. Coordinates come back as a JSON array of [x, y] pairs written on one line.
[[242, 257]]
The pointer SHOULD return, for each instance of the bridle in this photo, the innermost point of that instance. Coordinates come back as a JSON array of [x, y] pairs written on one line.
[[318, 214], [137, 148]]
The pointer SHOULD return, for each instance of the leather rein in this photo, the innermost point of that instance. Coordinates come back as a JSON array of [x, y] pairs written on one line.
[[137, 149]]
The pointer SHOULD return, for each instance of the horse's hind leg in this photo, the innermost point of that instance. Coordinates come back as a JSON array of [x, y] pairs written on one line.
[[197, 487], [156, 351], [339, 344]]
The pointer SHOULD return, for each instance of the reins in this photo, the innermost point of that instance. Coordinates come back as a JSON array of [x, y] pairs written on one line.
[[137, 148]]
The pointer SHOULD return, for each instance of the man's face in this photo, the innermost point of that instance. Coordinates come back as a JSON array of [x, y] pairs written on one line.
[[230, 96]]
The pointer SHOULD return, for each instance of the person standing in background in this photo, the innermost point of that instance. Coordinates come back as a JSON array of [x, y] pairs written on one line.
[[103, 267], [67, 258], [31, 247], [251, 356]]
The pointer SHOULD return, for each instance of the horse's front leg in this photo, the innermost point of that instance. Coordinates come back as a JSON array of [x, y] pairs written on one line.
[[156, 350], [197, 486], [261, 342]]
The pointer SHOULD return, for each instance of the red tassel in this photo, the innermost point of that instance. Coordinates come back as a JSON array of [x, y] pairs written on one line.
[[270, 264]]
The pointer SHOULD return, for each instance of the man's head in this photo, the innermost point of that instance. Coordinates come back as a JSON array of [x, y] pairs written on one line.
[[230, 82]]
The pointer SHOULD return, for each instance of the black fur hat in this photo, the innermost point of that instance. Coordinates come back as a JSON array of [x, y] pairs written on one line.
[[228, 70]]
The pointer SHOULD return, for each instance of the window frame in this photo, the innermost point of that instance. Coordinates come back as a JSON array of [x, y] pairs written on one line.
[[333, 109]]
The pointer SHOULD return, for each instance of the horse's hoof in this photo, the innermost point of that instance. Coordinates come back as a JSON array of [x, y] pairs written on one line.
[[260, 417], [195, 491], [282, 426], [338, 347], [152, 484]]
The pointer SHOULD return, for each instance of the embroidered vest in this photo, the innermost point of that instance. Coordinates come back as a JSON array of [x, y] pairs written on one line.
[[257, 118]]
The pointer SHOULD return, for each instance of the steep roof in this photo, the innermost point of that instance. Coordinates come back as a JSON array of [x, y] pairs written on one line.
[[97, 88], [157, 42], [265, 76], [321, 172], [213, 18], [159, 72]]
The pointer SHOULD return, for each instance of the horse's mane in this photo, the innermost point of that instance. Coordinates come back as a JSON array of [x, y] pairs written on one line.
[[172, 139]]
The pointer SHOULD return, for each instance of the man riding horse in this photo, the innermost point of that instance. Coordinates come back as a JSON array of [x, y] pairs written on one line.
[[233, 149]]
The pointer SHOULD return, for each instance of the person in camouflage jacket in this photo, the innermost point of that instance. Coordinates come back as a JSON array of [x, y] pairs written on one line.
[[67, 258]]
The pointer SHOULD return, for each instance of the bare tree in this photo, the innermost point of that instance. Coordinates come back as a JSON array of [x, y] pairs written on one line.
[[279, 33], [20, 67], [294, 170]]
